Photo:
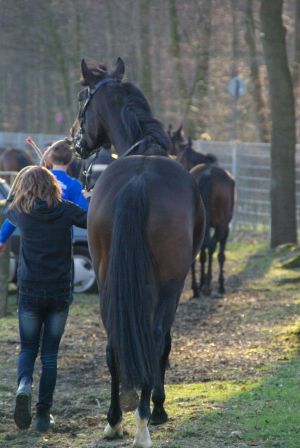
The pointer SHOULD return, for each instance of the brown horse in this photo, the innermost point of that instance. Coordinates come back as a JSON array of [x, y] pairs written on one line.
[[177, 139], [217, 190], [145, 225], [184, 151], [13, 160], [189, 158]]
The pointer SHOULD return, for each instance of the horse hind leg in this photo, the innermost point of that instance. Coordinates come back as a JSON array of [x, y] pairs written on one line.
[[159, 415], [202, 267], [113, 428], [212, 243], [142, 414], [194, 280], [221, 259]]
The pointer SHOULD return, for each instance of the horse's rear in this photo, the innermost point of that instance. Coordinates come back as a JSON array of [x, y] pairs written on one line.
[[217, 189], [145, 226]]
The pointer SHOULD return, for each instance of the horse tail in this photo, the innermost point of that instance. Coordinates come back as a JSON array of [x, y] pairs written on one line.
[[204, 185], [130, 291]]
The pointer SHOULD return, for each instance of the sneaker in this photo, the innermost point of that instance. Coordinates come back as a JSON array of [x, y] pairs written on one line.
[[22, 414], [43, 419]]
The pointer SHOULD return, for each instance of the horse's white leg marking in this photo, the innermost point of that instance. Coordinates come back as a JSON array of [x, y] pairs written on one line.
[[142, 437], [115, 432]]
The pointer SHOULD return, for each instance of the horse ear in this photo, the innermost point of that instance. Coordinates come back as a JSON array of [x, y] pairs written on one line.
[[85, 73], [169, 130], [179, 130], [119, 70]]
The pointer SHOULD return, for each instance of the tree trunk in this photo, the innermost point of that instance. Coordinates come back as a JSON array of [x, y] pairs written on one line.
[[259, 102], [296, 62], [234, 40], [283, 199], [200, 86], [176, 54], [200, 82]]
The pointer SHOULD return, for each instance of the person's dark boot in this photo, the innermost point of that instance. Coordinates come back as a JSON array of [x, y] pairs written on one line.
[[22, 414], [43, 418]]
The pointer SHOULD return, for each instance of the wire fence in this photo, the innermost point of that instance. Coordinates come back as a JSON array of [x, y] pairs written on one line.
[[249, 163]]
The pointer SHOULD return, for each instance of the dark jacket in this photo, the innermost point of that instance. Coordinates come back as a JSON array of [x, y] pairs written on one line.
[[46, 244]]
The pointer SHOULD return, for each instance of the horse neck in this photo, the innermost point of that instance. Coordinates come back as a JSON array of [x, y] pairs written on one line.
[[118, 135]]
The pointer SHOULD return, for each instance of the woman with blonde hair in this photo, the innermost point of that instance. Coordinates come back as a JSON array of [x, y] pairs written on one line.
[[45, 220]]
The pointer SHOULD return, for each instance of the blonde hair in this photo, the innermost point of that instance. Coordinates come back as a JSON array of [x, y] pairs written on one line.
[[31, 183]]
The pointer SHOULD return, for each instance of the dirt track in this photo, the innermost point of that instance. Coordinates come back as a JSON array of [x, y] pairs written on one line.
[[213, 339]]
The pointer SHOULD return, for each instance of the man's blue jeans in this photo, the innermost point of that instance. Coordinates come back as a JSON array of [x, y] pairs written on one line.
[[42, 319]]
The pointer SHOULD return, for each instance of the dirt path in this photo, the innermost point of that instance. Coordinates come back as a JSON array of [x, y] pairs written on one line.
[[213, 339]]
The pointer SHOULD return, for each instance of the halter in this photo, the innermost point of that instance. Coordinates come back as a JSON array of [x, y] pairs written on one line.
[[78, 136], [91, 92]]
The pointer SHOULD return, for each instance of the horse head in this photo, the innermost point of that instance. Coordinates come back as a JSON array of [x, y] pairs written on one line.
[[177, 139], [90, 130], [115, 112]]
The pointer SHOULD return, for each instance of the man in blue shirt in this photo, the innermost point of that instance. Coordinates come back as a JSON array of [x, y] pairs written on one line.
[[59, 155]]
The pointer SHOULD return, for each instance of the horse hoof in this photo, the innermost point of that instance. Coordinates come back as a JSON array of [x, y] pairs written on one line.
[[115, 432], [129, 400], [137, 444], [158, 417], [142, 438]]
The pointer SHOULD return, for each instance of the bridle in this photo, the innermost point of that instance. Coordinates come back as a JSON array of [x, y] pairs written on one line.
[[77, 139], [91, 90]]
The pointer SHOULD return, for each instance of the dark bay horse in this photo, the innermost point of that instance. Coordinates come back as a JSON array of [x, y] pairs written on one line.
[[177, 139], [217, 189], [189, 158], [145, 225], [14, 160], [185, 153]]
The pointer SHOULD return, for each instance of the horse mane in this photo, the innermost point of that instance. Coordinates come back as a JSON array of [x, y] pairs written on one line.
[[139, 122]]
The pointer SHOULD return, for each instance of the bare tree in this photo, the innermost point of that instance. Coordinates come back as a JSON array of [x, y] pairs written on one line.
[[283, 198], [256, 78], [192, 95]]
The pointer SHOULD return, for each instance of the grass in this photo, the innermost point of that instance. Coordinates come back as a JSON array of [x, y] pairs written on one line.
[[250, 399]]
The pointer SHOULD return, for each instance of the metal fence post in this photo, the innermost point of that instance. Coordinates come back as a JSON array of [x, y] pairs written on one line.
[[4, 272], [234, 174]]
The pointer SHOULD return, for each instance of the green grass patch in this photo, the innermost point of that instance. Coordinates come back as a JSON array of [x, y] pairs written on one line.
[[223, 414]]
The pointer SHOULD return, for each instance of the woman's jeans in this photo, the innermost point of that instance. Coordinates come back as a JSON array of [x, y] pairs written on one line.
[[42, 319]]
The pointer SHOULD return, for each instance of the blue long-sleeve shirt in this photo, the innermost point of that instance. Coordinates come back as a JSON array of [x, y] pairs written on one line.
[[71, 191]]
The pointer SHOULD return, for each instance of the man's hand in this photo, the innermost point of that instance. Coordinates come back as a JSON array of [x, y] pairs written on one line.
[[2, 248]]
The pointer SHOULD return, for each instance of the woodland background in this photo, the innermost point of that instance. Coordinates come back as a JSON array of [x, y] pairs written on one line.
[[182, 55]]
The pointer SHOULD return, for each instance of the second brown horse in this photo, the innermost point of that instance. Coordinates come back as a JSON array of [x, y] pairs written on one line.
[[217, 190]]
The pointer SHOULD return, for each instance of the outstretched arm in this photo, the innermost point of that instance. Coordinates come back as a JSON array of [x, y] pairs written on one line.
[[6, 231]]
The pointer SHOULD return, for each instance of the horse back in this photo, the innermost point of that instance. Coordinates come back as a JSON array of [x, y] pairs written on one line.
[[217, 189]]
